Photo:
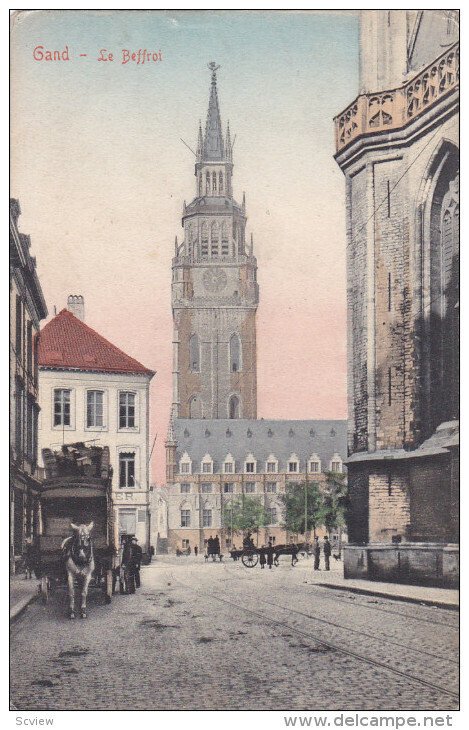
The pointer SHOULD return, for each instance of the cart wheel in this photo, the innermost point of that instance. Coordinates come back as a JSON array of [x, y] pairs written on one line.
[[45, 589], [109, 581], [250, 558]]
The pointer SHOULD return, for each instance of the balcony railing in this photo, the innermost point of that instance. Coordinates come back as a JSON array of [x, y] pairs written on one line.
[[389, 110]]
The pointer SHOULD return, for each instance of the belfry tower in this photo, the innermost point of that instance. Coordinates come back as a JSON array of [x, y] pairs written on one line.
[[214, 288]]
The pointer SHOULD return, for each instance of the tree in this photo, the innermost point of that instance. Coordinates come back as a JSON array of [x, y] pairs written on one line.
[[300, 499], [244, 514], [335, 500]]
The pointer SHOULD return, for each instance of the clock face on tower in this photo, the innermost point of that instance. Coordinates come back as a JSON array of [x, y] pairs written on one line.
[[214, 279]]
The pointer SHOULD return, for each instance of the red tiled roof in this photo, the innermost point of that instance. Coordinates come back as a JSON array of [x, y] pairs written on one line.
[[68, 343]]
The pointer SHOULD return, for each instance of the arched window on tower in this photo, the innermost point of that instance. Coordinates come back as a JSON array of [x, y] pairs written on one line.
[[235, 354], [220, 182], [224, 240], [233, 407], [214, 182], [207, 183], [215, 240], [444, 296], [195, 407], [194, 354], [204, 241]]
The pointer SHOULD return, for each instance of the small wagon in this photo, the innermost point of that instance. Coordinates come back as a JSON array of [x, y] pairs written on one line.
[[77, 490]]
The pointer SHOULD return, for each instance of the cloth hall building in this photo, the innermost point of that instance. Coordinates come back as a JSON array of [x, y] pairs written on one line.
[[216, 448]]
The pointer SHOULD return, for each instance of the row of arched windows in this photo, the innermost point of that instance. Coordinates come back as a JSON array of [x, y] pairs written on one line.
[[214, 240], [233, 407], [234, 353], [212, 183]]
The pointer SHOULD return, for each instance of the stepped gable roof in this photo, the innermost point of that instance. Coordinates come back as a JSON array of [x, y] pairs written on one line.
[[260, 437], [67, 343]]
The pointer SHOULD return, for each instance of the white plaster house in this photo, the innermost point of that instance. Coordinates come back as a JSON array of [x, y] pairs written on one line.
[[90, 391]]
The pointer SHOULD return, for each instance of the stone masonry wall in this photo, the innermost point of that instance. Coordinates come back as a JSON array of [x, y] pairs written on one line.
[[357, 308], [389, 503]]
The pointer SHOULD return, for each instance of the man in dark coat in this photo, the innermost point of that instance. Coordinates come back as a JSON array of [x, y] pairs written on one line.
[[327, 553], [270, 554], [196, 550], [262, 552], [317, 553], [137, 560]]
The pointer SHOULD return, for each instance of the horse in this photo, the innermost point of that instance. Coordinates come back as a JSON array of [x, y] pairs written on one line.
[[79, 563]]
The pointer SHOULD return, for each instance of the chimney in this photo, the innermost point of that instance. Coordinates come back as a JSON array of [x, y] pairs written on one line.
[[76, 305]]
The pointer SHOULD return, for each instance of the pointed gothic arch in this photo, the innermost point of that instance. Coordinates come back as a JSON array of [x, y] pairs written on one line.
[[195, 407], [234, 407], [438, 260]]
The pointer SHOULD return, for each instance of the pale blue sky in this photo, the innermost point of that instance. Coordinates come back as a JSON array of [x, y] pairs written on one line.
[[101, 175]]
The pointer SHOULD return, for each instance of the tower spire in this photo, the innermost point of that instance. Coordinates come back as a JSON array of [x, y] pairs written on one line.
[[228, 143], [213, 147], [200, 143]]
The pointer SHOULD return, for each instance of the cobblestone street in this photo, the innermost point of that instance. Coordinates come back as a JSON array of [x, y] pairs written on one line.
[[220, 636]]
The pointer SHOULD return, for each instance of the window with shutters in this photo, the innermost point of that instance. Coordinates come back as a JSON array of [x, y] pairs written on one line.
[[214, 240], [225, 250], [204, 241]]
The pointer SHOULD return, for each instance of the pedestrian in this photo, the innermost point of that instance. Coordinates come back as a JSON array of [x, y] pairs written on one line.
[[196, 550], [317, 553], [29, 558], [189, 550], [270, 554], [262, 557], [136, 560], [327, 552], [294, 555]]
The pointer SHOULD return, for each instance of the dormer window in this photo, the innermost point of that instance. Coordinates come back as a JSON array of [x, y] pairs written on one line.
[[336, 464], [314, 464], [250, 464], [229, 465], [293, 464], [185, 464], [207, 464], [271, 465]]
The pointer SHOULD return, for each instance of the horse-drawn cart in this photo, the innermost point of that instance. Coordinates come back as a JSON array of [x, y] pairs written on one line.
[[250, 554], [77, 493]]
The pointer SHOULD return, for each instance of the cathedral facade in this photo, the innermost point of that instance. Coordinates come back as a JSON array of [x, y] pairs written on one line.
[[397, 145]]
